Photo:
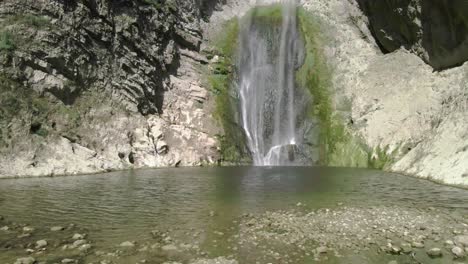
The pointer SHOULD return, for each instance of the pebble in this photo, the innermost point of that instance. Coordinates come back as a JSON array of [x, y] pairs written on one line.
[[434, 252], [28, 260], [417, 245], [322, 250], [85, 247], [78, 236], [41, 244], [406, 248], [458, 252], [127, 244], [66, 261], [393, 262], [28, 229], [57, 228], [78, 243], [449, 243], [461, 240], [169, 248]]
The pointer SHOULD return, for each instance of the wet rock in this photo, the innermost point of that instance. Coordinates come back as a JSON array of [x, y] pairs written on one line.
[[85, 247], [78, 243], [449, 243], [41, 244], [5, 228], [78, 236], [68, 261], [127, 244], [461, 240], [28, 260], [417, 245], [24, 236], [321, 250], [57, 228], [434, 252], [458, 252], [406, 248], [28, 229], [169, 248]]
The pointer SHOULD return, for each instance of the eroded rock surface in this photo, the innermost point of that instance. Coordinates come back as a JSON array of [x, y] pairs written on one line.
[[92, 86]]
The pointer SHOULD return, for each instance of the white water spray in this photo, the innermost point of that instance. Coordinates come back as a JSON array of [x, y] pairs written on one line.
[[269, 55]]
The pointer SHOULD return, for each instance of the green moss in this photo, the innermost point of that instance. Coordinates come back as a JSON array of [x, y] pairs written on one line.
[[381, 158], [30, 20], [272, 13], [6, 41], [337, 146], [220, 79]]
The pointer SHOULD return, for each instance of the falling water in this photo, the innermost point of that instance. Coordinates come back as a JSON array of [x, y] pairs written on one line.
[[269, 56]]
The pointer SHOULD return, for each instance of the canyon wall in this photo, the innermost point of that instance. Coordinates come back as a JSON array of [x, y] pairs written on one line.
[[92, 85]]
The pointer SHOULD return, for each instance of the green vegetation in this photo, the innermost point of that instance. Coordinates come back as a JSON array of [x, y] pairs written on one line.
[[270, 13], [338, 147], [11, 39], [6, 41], [232, 142], [29, 20]]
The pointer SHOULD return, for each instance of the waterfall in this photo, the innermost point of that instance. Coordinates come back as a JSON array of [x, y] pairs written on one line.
[[269, 55]]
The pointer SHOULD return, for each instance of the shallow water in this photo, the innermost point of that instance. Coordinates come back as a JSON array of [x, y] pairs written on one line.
[[121, 206]]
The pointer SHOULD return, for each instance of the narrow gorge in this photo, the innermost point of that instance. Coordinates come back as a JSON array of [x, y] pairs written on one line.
[[233, 131]]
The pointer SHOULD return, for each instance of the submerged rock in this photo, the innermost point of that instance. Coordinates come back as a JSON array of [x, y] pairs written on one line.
[[27, 260], [434, 252], [458, 252], [127, 244], [41, 244], [461, 240], [57, 228]]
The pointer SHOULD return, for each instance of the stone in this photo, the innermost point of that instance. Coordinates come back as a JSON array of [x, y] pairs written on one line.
[[68, 261], [169, 248], [393, 262], [434, 252], [78, 243], [417, 245], [458, 252], [322, 250], [85, 247], [449, 243], [406, 248], [28, 229], [57, 228], [461, 240], [41, 244], [28, 260], [78, 236], [127, 244], [5, 228]]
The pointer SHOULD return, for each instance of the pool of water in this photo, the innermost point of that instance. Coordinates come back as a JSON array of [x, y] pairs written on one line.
[[119, 206]]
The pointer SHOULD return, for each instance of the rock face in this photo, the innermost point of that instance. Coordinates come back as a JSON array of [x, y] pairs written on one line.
[[398, 104], [90, 86], [412, 118], [435, 30]]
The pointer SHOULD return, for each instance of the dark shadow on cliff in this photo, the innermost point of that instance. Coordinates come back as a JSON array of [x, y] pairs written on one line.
[[437, 31]]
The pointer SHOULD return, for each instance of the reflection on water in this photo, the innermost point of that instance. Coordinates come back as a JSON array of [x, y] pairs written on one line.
[[111, 203], [121, 206]]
